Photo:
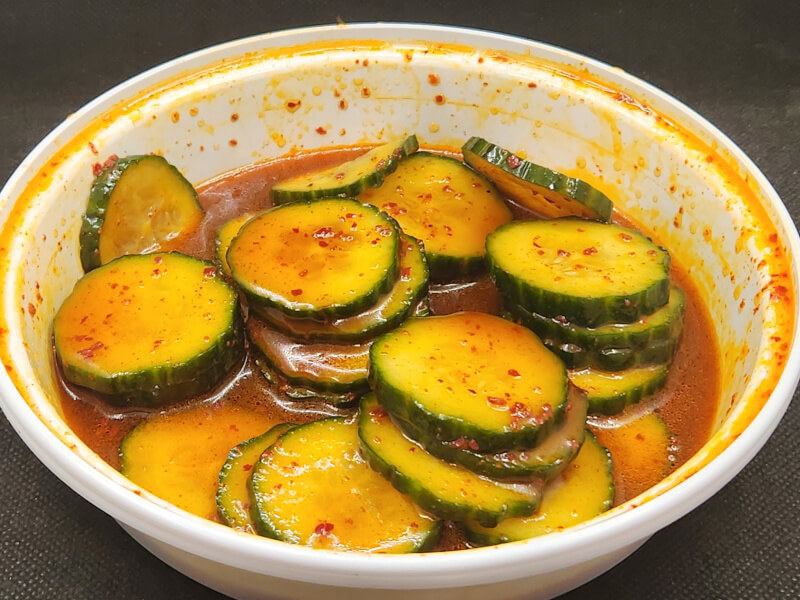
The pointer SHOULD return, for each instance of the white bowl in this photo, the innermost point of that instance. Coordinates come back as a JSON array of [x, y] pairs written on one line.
[[664, 165]]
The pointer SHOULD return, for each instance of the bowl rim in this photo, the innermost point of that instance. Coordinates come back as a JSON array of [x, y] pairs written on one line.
[[482, 565]]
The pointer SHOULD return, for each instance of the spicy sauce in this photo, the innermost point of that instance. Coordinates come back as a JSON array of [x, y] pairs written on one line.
[[687, 403]]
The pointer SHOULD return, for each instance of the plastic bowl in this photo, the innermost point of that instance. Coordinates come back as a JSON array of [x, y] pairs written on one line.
[[664, 165]]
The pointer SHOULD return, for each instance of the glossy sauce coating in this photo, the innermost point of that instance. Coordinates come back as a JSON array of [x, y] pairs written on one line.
[[687, 403]]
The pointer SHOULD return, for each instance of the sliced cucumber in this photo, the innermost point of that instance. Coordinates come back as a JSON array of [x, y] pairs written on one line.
[[610, 392], [446, 490], [320, 366], [615, 359], [548, 193], [349, 179], [149, 329], [391, 310], [642, 451], [588, 273], [582, 491], [545, 460], [446, 205], [224, 237], [312, 487], [327, 259], [664, 325], [472, 376], [137, 205], [233, 501], [177, 455]]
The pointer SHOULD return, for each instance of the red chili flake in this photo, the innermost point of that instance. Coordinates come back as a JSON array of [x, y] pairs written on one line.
[[247, 468], [31, 309], [295, 230], [343, 104], [97, 168], [513, 161], [156, 272], [321, 130], [780, 292], [89, 352], [519, 410], [625, 237], [323, 528], [232, 142], [156, 260], [433, 79], [93, 148], [447, 189], [293, 105], [365, 92], [590, 250], [324, 232], [209, 272], [303, 273], [297, 292], [459, 443], [277, 486], [110, 161], [773, 237], [495, 401], [531, 85], [323, 244], [439, 99], [377, 411], [339, 176], [473, 445], [563, 253], [235, 117], [405, 273], [513, 372]]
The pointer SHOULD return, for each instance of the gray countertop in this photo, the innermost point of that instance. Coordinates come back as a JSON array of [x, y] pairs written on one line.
[[736, 63]]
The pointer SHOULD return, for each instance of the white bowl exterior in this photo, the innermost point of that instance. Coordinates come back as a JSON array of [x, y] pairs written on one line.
[[209, 120]]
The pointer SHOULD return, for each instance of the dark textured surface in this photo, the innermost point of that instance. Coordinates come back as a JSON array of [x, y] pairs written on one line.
[[737, 63]]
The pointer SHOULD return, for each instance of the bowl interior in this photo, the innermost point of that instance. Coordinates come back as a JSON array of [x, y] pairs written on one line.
[[664, 167]]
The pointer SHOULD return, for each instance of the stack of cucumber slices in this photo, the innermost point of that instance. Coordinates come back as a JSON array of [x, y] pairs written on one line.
[[467, 417], [599, 295]]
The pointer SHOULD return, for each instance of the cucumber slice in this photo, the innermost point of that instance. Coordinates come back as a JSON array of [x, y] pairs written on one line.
[[391, 310], [582, 491], [642, 451], [349, 179], [177, 455], [446, 490], [473, 376], [446, 205], [610, 392], [664, 324], [149, 329], [548, 193], [588, 273], [233, 501], [312, 487], [224, 237], [545, 460], [615, 359], [140, 204], [326, 260], [323, 367]]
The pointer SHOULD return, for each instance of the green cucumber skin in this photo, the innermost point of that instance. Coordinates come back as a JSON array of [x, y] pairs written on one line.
[[317, 387], [585, 311], [530, 172], [375, 179], [614, 359], [496, 466], [99, 197], [223, 493], [398, 404], [615, 404], [618, 336], [419, 491], [162, 386], [259, 304], [377, 327], [485, 539]]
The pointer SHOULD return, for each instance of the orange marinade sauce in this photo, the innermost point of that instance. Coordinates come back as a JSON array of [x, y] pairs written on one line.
[[687, 403]]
